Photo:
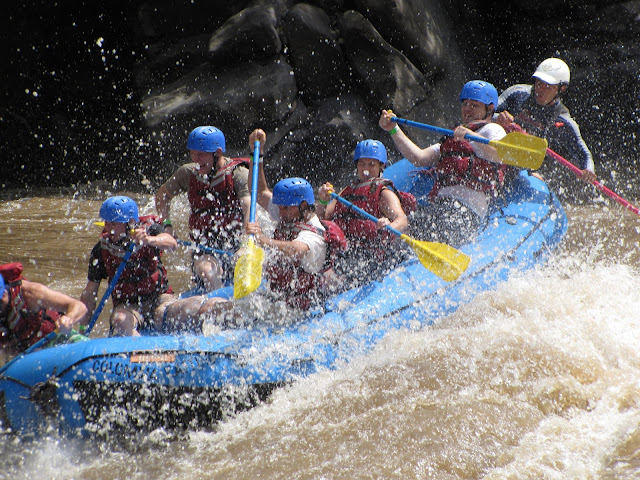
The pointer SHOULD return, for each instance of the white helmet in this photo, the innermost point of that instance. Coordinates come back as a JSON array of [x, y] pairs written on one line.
[[553, 71]]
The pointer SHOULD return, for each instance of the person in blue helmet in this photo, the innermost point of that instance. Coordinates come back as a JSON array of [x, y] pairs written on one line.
[[142, 290], [303, 247], [372, 249], [29, 311], [217, 188], [298, 266], [469, 174], [538, 110]]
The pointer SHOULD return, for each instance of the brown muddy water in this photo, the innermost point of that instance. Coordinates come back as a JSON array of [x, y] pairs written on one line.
[[539, 379]]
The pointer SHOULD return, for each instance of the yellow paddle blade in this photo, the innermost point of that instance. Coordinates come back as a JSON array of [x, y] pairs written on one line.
[[521, 150], [102, 224], [439, 258], [248, 272]]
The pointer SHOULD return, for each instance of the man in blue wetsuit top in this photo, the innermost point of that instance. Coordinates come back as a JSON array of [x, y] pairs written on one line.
[[538, 110]]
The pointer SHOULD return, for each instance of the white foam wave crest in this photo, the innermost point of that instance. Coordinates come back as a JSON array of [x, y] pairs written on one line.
[[539, 376]]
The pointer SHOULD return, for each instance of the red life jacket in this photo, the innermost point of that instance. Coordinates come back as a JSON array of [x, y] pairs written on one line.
[[17, 323], [514, 127], [300, 288], [215, 208], [459, 165], [144, 274], [361, 232]]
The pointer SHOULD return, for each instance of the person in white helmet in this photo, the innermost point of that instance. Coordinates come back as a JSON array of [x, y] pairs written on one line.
[[538, 110]]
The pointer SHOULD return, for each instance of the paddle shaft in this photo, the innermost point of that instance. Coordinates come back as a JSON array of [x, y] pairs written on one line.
[[442, 131], [595, 183], [373, 218], [112, 284], [248, 270], [203, 248], [254, 181]]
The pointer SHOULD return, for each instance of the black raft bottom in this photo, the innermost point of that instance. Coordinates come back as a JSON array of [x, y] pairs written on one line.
[[110, 408]]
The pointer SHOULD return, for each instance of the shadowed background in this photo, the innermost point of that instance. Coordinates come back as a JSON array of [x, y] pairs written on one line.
[[106, 93]]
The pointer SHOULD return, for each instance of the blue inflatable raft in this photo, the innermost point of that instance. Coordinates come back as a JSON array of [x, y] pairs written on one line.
[[107, 386]]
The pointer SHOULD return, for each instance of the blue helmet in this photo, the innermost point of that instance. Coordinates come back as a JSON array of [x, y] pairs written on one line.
[[206, 139], [119, 209], [370, 149], [292, 192], [480, 91], [1, 285]]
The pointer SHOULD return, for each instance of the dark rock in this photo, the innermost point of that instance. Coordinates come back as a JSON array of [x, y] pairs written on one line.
[[241, 95], [249, 35], [387, 77], [236, 99], [313, 51], [108, 92], [171, 20], [321, 148], [416, 28]]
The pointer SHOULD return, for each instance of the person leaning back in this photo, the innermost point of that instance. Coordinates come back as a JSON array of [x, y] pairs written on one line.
[[29, 311]]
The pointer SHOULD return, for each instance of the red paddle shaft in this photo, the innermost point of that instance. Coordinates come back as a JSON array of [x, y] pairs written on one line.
[[578, 172], [597, 184]]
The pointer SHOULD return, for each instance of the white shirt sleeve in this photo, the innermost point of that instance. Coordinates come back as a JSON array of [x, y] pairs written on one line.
[[436, 147], [313, 260], [273, 211], [492, 131]]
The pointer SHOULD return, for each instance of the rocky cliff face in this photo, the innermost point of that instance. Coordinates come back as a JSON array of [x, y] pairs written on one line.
[[109, 92]]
